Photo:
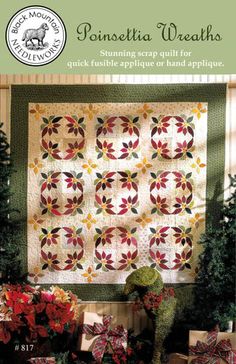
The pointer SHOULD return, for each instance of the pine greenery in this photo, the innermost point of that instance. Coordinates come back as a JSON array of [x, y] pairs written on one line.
[[215, 289], [9, 247]]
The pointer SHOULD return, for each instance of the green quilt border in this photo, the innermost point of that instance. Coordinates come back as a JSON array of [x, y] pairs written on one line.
[[21, 95]]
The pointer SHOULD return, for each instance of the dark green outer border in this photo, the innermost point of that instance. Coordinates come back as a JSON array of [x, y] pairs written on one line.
[[21, 95]]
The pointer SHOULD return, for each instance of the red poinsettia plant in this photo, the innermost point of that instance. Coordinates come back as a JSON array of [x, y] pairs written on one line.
[[30, 312]]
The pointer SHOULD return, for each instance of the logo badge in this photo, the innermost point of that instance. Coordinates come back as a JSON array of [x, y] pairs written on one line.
[[36, 35]]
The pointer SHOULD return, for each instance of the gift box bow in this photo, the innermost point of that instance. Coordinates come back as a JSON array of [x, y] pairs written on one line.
[[39, 360], [211, 352], [116, 337]]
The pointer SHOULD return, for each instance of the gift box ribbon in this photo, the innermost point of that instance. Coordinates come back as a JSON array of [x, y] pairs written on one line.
[[211, 352], [49, 360], [116, 337]]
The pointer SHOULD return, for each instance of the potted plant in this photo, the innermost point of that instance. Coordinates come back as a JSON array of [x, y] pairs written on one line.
[[35, 319], [215, 288], [10, 270]]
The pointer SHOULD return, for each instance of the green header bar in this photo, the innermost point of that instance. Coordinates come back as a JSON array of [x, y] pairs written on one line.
[[123, 37]]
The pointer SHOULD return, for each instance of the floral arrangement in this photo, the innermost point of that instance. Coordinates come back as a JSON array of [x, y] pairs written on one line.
[[30, 312], [151, 300]]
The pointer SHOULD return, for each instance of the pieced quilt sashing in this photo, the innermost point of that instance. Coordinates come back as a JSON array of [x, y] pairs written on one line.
[[113, 187]]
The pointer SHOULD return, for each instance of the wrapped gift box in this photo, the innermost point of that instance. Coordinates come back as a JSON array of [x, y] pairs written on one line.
[[176, 358], [202, 336], [49, 360], [86, 341]]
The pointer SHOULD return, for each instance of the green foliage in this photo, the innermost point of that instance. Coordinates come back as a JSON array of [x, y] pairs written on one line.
[[145, 280], [9, 247], [163, 324], [143, 277], [215, 289]]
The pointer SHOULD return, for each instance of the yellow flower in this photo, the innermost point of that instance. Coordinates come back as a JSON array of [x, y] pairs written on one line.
[[36, 221], [90, 111], [89, 274], [36, 165], [89, 220], [145, 110], [60, 294], [144, 220], [196, 220], [89, 166], [37, 111], [36, 274], [199, 110], [198, 165], [144, 165]]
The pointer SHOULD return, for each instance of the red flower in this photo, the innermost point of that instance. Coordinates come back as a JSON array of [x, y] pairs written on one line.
[[39, 307], [184, 125], [103, 236], [128, 149], [50, 149], [75, 125], [5, 335], [17, 301], [104, 261], [152, 300], [38, 330], [47, 296], [162, 124], [159, 259], [105, 150], [128, 260], [129, 180], [129, 125], [104, 180], [73, 236], [168, 292], [159, 180], [158, 235], [51, 125], [182, 180], [6, 327], [74, 180], [106, 126], [183, 235], [129, 204], [74, 205], [104, 205], [183, 204], [181, 260], [50, 180], [75, 150], [30, 319], [73, 261], [161, 150], [127, 235], [50, 261], [160, 203], [49, 236], [184, 149], [49, 205]]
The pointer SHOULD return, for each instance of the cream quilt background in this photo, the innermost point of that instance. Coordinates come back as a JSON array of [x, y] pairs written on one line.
[[115, 186]]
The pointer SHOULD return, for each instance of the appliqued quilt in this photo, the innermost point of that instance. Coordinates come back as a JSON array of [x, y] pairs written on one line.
[[113, 187]]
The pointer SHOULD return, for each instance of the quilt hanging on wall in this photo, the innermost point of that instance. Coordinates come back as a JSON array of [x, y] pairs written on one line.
[[114, 178]]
